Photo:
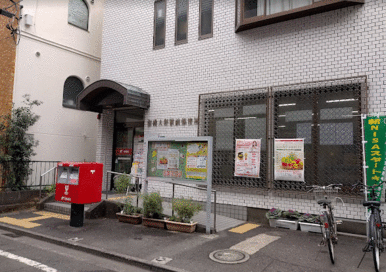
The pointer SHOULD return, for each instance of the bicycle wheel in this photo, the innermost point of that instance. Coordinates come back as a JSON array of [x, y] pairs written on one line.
[[374, 238], [327, 235]]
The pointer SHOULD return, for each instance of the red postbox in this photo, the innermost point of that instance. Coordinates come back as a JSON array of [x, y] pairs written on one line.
[[79, 182]]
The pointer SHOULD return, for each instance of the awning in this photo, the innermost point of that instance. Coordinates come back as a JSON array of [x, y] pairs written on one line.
[[108, 94]]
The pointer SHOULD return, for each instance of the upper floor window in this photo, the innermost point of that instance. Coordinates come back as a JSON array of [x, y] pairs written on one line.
[[159, 24], [78, 13], [182, 7], [72, 87], [255, 13], [206, 19]]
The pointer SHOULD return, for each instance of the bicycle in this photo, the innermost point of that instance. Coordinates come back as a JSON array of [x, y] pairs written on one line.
[[374, 225], [328, 224]]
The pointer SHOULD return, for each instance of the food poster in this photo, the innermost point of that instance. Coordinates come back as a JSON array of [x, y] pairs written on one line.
[[166, 159], [375, 138], [289, 159], [196, 160], [247, 159]]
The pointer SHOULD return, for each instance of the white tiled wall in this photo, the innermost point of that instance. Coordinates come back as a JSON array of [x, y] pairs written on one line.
[[343, 43]]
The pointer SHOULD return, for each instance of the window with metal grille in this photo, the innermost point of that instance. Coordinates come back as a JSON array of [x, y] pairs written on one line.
[[229, 116], [72, 87], [159, 24], [78, 14], [326, 114], [328, 118], [182, 7]]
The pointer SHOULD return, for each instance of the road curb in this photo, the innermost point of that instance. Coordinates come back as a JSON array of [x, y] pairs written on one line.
[[95, 251]]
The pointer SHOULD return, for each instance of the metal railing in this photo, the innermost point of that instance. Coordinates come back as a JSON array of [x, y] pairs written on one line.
[[41, 179], [35, 178]]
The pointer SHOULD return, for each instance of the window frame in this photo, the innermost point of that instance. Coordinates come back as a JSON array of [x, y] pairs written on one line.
[[75, 98], [88, 16], [176, 42], [155, 47], [263, 20], [206, 36]]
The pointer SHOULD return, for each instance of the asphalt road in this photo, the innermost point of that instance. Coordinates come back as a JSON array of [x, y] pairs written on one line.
[[24, 254]]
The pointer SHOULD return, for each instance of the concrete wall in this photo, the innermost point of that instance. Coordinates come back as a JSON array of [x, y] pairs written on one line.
[[348, 42], [64, 50]]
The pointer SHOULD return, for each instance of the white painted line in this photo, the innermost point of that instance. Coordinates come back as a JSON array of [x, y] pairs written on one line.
[[27, 261], [255, 243]]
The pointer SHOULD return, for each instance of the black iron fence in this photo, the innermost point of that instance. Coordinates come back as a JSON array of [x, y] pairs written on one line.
[[34, 179]]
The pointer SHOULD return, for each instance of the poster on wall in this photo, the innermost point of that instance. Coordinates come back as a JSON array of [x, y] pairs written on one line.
[[289, 159], [247, 158], [196, 160]]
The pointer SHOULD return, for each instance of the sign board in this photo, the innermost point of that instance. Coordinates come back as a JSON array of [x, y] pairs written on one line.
[[375, 138], [247, 158], [185, 160], [289, 159]]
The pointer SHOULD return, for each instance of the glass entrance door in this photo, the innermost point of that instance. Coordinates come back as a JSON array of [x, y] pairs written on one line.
[[123, 149]]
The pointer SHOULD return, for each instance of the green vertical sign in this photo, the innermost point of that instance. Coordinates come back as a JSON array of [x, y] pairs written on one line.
[[375, 137]]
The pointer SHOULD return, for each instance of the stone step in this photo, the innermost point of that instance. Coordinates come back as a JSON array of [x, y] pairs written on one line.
[[60, 207]]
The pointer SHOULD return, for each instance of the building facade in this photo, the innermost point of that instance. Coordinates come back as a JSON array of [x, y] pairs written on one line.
[[57, 57], [252, 70]]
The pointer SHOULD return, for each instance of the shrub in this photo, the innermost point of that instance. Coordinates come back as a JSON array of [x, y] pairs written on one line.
[[16, 145], [152, 205], [51, 189], [185, 209], [309, 218], [121, 183]]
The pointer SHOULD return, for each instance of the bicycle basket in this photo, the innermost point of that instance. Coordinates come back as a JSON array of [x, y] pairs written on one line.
[[325, 193]]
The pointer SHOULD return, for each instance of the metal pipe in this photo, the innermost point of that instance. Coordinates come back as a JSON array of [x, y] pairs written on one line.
[[214, 212], [173, 200]]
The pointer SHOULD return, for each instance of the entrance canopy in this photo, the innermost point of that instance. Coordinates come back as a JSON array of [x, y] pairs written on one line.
[[108, 94]]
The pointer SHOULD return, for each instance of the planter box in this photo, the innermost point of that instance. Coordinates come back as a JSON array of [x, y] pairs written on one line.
[[154, 223], [130, 218], [181, 227], [310, 227], [284, 223]]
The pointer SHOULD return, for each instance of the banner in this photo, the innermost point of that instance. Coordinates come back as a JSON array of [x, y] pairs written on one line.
[[375, 138], [289, 159], [247, 158]]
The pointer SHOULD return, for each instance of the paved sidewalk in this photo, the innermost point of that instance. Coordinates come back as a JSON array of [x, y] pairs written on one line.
[[269, 249]]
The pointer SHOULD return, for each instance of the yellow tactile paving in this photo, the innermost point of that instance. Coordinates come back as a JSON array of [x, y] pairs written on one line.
[[244, 228], [49, 215], [27, 222], [119, 197], [19, 222]]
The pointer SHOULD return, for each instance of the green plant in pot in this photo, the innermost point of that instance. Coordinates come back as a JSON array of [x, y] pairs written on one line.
[[273, 213], [291, 214], [185, 210], [121, 183], [152, 205], [130, 213], [130, 209], [309, 218]]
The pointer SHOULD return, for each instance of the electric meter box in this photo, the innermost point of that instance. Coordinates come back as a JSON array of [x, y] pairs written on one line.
[[79, 182]]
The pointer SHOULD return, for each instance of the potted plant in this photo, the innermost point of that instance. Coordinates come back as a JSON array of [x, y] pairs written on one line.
[[272, 215], [152, 211], [310, 223], [185, 210], [130, 213]]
